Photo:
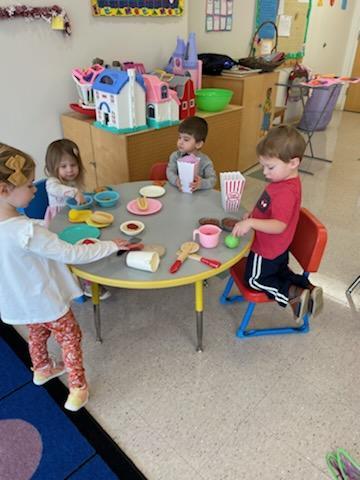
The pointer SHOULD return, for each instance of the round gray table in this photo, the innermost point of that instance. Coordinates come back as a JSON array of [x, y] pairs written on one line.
[[171, 226]]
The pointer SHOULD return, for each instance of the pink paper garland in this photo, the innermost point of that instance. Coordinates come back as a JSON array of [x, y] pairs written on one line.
[[36, 13]]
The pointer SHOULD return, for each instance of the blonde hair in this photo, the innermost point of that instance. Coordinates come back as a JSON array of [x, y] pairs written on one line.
[[283, 142], [55, 152], [27, 170]]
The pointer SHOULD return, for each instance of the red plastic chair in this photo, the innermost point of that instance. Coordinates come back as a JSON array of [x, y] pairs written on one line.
[[158, 171], [307, 247]]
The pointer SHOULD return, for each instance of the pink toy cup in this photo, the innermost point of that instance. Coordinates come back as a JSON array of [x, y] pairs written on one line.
[[209, 235]]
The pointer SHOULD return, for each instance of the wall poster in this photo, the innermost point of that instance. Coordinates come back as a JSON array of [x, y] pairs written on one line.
[[125, 8], [219, 15]]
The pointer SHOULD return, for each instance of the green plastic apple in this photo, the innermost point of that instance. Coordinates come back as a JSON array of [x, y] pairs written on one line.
[[231, 241]]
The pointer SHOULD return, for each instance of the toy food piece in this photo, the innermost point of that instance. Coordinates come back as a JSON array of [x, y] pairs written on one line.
[[154, 247], [102, 217], [132, 226], [78, 215], [228, 223], [100, 189], [209, 221], [142, 203], [87, 241], [231, 241], [159, 183]]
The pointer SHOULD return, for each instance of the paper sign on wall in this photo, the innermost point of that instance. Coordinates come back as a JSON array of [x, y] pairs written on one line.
[[218, 15], [284, 26]]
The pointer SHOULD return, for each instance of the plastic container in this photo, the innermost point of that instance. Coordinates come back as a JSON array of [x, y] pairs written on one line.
[[212, 99], [107, 199], [72, 203]]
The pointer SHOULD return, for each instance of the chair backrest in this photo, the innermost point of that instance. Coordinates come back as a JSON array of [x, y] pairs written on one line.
[[38, 205], [309, 241], [158, 171]]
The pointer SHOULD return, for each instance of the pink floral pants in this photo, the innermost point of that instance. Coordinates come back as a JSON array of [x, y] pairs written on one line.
[[68, 335]]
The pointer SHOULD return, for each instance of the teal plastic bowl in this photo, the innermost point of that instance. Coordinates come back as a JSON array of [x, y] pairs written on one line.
[[107, 199], [212, 99]]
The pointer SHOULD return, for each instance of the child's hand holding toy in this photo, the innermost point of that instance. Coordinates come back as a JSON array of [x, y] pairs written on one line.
[[126, 245], [178, 184], [196, 184], [242, 228], [79, 197]]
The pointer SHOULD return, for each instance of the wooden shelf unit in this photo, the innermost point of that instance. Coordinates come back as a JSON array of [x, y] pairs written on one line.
[[250, 92], [112, 158]]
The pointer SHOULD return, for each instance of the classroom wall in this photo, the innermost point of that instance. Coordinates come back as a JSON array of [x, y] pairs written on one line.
[[328, 35], [36, 62], [36, 86], [235, 43], [336, 28]]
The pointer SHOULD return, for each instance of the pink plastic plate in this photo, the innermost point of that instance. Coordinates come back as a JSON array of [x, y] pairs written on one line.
[[154, 206]]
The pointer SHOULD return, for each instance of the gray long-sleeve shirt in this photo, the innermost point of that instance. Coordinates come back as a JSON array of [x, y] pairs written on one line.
[[206, 169]]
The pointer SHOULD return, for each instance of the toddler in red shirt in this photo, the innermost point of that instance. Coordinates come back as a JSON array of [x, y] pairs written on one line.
[[274, 220]]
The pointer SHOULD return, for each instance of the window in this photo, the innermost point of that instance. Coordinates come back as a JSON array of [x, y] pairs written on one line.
[[192, 103], [164, 91], [151, 111], [184, 105]]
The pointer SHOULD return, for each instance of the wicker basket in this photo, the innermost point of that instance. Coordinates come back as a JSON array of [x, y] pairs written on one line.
[[259, 62]]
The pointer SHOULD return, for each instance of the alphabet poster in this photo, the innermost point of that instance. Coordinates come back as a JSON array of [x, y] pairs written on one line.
[[146, 8]]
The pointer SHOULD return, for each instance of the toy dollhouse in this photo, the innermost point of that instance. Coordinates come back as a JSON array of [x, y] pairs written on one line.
[[139, 67], [120, 101], [184, 88], [162, 103], [184, 60], [84, 79]]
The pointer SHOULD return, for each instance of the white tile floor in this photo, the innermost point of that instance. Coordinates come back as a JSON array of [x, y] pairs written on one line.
[[264, 408]]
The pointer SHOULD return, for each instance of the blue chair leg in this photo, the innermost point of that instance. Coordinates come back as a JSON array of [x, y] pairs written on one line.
[[240, 332], [225, 298]]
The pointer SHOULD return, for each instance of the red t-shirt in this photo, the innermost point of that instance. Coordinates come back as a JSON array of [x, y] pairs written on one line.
[[280, 201]]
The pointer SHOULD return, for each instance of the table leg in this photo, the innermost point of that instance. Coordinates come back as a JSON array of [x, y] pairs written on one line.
[[95, 291], [199, 307]]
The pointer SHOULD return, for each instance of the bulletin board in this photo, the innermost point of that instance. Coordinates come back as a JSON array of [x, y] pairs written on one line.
[[297, 12], [144, 8]]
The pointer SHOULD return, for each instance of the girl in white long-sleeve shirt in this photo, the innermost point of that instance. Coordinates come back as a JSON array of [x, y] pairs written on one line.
[[36, 286]]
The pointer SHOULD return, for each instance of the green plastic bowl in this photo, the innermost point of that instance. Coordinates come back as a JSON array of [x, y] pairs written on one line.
[[212, 99]]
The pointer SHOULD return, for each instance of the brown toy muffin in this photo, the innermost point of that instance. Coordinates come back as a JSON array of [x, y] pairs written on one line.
[[228, 223], [209, 221]]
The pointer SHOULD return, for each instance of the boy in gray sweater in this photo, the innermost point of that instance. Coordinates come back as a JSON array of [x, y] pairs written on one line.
[[192, 135]]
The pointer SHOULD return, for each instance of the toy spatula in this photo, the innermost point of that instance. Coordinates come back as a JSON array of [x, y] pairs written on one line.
[[210, 262], [185, 250]]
